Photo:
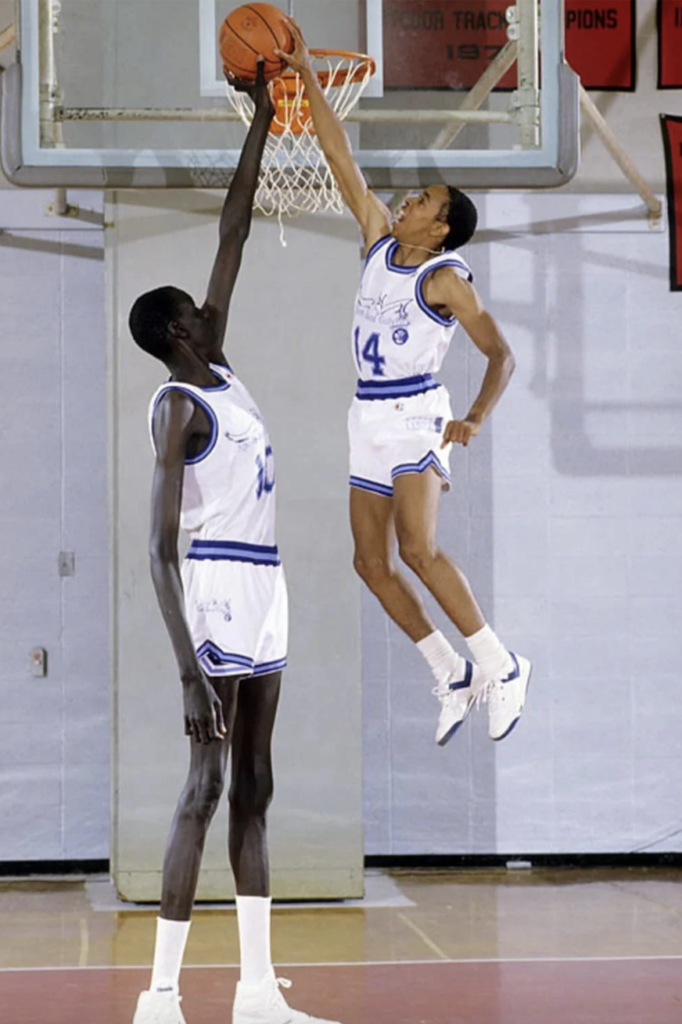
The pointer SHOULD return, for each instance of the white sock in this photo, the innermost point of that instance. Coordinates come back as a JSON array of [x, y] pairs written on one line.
[[446, 664], [253, 917], [491, 656], [171, 939]]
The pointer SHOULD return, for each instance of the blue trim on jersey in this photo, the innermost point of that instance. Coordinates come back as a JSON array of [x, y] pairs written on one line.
[[390, 265], [419, 291], [213, 419], [401, 387], [223, 386], [269, 666], [232, 551], [215, 660], [375, 248], [420, 467], [371, 486]]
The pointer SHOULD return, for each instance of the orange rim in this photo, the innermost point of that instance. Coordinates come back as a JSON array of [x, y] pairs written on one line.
[[341, 76], [286, 88]]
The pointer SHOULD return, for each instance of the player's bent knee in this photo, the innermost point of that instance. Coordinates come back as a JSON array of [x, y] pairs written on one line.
[[251, 794], [372, 570], [417, 555]]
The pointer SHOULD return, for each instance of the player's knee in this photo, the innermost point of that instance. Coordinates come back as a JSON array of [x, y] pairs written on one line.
[[202, 796], [372, 569], [416, 553], [251, 793]]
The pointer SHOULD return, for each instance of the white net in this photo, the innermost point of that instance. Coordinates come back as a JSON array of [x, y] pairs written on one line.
[[295, 177]]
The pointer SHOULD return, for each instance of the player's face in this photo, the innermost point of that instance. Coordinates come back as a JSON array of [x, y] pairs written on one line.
[[420, 218], [198, 325]]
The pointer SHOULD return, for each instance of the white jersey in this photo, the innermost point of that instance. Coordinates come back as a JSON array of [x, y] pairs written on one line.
[[229, 488], [396, 335]]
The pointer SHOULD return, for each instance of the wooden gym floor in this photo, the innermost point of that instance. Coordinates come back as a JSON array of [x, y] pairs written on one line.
[[474, 947]]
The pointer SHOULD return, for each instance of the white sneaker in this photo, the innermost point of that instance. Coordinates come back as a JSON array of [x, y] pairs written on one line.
[[506, 697], [456, 700], [265, 1004], [159, 1008]]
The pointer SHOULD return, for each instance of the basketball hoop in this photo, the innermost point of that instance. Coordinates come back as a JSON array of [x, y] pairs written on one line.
[[295, 177]]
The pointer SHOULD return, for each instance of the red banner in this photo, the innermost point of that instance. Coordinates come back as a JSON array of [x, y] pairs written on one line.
[[669, 44], [601, 43], [672, 142], [448, 44]]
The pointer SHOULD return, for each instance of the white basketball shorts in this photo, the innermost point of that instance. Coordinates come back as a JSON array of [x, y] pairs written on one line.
[[236, 607], [396, 427]]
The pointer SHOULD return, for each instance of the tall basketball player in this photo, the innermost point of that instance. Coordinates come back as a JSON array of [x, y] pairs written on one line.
[[414, 290], [226, 613]]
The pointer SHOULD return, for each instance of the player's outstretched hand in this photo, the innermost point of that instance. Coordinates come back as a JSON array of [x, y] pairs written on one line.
[[299, 58], [203, 711], [460, 432], [257, 90]]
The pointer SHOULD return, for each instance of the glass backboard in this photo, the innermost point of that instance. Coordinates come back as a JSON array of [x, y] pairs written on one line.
[[130, 93]]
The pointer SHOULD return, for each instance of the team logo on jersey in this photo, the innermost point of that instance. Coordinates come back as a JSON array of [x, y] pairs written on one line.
[[215, 607], [401, 336], [245, 440], [391, 314]]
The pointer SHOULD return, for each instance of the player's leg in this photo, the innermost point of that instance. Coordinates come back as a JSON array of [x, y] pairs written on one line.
[[258, 999], [373, 527], [194, 812], [371, 520], [416, 501], [251, 788]]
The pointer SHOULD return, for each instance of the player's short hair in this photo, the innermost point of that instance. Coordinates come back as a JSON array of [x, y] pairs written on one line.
[[151, 316], [462, 218]]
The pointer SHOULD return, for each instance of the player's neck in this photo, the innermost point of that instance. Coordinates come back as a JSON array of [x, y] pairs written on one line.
[[412, 255], [191, 368]]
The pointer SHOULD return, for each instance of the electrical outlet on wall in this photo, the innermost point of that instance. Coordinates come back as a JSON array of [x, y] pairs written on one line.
[[39, 662]]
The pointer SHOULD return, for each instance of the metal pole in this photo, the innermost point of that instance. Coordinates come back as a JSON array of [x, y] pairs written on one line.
[[493, 74], [61, 207], [50, 129], [219, 114], [8, 37], [61, 203], [627, 166], [528, 94]]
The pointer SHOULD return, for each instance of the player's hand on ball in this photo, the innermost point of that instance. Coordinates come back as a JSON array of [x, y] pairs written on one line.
[[203, 711], [460, 432], [257, 90], [299, 58]]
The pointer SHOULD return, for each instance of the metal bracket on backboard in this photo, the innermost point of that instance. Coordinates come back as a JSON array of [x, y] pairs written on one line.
[[61, 175]]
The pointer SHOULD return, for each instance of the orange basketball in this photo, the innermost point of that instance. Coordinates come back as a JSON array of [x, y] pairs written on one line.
[[251, 31]]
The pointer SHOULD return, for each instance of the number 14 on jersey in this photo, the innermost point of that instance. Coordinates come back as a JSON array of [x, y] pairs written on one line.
[[370, 353]]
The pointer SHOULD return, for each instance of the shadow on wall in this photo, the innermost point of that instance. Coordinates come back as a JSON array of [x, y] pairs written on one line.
[[600, 304]]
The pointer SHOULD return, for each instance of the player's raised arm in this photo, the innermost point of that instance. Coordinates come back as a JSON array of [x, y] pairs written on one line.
[[235, 222], [371, 214], [175, 423]]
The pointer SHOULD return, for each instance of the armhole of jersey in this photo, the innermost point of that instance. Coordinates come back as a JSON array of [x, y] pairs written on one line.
[[419, 289], [211, 441], [375, 248]]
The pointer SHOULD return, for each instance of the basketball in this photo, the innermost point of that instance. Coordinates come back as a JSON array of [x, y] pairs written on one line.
[[251, 31]]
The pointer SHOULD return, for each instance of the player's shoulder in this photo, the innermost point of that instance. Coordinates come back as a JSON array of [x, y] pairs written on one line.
[[173, 406], [451, 262], [172, 396]]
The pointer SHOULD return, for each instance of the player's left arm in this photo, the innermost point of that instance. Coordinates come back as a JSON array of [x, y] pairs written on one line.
[[456, 297], [235, 221]]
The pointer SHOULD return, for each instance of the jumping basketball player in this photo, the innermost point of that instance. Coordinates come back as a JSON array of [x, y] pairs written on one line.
[[214, 476], [414, 290]]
